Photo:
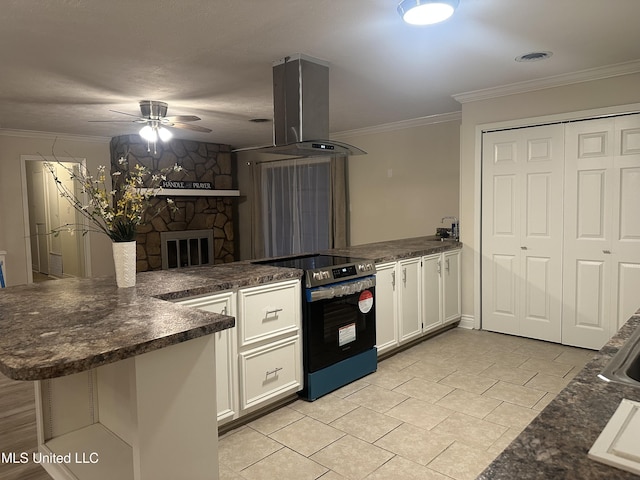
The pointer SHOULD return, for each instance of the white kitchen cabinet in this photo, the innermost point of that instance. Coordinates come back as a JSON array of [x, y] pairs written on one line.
[[441, 299], [432, 291], [386, 308], [268, 311], [269, 372], [259, 361], [409, 299], [451, 298], [226, 353], [416, 296], [269, 343]]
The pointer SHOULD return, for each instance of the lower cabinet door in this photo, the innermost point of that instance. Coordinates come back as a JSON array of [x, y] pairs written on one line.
[[226, 362], [451, 299], [409, 299], [431, 292], [269, 372], [386, 317]]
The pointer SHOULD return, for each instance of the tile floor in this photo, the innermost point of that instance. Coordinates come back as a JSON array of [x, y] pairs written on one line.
[[443, 409]]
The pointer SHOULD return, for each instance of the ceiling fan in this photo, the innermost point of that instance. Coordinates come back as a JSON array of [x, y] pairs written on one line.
[[155, 120]]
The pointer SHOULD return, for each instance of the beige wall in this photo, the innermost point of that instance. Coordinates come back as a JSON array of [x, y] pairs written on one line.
[[12, 214], [597, 94], [402, 188], [406, 183]]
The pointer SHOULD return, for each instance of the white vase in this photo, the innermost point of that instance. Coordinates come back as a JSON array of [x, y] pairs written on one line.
[[124, 259]]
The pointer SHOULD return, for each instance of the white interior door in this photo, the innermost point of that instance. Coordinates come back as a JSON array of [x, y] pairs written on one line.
[[602, 229], [522, 232], [625, 248]]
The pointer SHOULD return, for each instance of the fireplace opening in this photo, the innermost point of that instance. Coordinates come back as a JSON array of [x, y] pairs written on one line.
[[187, 248]]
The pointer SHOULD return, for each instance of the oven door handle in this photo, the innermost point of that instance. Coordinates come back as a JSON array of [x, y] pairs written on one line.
[[340, 289]]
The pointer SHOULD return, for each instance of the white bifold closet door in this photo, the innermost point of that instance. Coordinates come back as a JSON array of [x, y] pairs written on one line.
[[522, 214], [602, 229]]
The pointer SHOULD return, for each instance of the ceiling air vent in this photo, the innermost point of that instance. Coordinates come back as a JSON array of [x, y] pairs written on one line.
[[533, 56]]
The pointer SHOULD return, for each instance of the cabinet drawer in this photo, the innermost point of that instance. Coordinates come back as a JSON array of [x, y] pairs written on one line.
[[270, 371], [268, 311]]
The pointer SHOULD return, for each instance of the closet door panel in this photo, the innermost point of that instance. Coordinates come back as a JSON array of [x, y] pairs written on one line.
[[625, 249], [522, 231], [588, 196]]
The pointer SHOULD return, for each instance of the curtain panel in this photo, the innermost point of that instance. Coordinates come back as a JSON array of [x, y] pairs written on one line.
[[299, 206]]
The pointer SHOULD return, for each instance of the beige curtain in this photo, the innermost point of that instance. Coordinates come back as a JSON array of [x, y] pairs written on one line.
[[257, 230], [338, 202], [337, 208]]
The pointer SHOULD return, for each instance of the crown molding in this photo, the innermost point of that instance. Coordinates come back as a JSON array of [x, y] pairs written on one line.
[[53, 136], [401, 125], [549, 82]]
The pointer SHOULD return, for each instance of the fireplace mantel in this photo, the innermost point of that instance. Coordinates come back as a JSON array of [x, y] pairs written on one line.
[[191, 192]]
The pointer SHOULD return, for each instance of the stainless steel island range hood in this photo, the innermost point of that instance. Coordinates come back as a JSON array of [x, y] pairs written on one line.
[[301, 110]]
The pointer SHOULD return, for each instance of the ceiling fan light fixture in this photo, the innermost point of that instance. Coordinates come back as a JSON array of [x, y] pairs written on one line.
[[149, 133], [426, 12], [164, 134]]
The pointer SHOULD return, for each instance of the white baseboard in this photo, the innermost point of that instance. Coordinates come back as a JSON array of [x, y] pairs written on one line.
[[467, 321]]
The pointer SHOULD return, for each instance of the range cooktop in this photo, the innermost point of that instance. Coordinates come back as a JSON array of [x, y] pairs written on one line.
[[324, 269]]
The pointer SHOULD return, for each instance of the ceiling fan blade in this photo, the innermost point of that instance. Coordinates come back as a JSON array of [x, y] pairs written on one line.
[[195, 128], [182, 118], [139, 120], [125, 113]]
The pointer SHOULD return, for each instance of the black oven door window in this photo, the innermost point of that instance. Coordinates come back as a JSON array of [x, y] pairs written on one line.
[[338, 328]]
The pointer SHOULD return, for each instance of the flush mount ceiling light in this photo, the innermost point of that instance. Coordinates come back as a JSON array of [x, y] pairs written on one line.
[[426, 12]]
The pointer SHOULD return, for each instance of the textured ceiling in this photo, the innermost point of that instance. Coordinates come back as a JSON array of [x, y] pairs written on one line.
[[65, 62]]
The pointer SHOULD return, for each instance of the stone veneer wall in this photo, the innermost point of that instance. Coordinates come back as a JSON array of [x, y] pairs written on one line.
[[203, 162]]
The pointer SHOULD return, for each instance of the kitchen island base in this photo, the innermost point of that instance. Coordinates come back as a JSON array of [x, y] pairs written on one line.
[[152, 416]]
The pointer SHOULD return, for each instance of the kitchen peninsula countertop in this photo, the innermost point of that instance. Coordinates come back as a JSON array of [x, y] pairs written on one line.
[[57, 328], [392, 250], [556, 442]]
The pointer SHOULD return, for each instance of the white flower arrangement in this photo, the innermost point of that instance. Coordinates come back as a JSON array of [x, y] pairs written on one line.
[[114, 212]]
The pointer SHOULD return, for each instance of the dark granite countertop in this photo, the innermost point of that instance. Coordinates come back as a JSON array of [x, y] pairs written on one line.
[[393, 250], [555, 445], [58, 328], [61, 327]]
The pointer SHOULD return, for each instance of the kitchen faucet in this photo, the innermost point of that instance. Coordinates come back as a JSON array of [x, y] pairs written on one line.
[[455, 227]]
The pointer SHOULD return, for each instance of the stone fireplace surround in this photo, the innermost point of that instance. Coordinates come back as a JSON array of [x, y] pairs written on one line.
[[201, 162]]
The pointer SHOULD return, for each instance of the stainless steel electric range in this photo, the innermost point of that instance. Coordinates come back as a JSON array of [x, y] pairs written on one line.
[[338, 320]]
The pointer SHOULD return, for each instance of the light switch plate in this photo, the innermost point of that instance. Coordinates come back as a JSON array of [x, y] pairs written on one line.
[[618, 444]]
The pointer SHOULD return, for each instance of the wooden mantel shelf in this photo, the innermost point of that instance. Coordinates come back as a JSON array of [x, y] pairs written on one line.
[[192, 192]]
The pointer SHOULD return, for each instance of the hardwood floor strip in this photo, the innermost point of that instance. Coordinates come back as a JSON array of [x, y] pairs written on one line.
[[18, 429]]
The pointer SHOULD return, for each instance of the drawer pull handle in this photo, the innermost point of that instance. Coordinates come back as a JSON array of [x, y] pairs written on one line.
[[273, 312], [273, 372], [606, 252]]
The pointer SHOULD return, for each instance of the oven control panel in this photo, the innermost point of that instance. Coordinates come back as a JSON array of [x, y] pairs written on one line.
[[338, 273]]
